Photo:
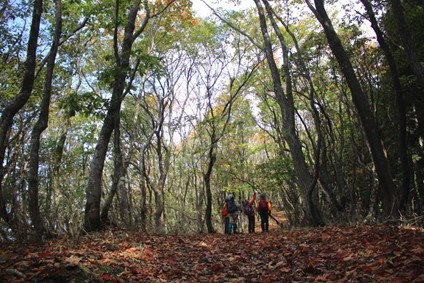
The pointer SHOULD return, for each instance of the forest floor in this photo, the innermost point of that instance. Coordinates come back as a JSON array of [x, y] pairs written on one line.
[[374, 253]]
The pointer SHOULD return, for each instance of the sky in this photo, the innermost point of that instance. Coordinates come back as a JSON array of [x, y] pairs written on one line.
[[203, 11]]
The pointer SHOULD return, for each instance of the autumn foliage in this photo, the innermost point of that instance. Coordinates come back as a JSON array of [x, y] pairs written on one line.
[[329, 254]]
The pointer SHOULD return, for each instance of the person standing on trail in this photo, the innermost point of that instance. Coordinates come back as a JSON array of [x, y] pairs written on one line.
[[264, 209], [250, 213], [232, 209], [225, 216]]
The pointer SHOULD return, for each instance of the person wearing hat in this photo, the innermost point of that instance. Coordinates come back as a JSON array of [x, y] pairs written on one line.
[[264, 209]]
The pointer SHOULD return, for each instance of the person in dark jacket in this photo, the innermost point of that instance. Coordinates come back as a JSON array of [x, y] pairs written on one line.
[[232, 208], [250, 213]]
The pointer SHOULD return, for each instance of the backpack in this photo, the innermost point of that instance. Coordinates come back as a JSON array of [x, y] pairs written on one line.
[[224, 211], [231, 205], [247, 208], [263, 207]]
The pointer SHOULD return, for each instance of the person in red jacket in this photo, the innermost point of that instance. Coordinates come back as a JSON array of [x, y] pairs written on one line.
[[250, 213], [225, 216], [264, 209]]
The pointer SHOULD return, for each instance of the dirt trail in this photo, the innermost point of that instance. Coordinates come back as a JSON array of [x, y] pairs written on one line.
[[279, 215]]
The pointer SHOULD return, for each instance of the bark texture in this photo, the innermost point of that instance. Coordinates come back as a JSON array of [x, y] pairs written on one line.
[[389, 199]]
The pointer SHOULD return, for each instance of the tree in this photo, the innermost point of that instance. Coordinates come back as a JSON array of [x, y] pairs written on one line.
[[22, 97], [150, 115], [368, 123], [121, 73], [218, 116], [408, 42], [305, 179], [400, 104], [41, 125]]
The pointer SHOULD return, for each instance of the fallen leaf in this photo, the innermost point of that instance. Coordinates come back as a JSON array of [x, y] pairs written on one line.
[[325, 236]]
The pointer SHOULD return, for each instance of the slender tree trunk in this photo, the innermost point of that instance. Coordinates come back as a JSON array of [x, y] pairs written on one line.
[[118, 173], [125, 206], [93, 190], [159, 191], [419, 164], [400, 106], [408, 42], [55, 177], [200, 198], [40, 126], [207, 180], [144, 223], [143, 189], [320, 144], [390, 204], [158, 210], [305, 179], [163, 162], [124, 190], [21, 99]]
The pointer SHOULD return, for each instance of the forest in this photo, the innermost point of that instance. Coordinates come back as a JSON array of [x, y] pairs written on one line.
[[141, 115]]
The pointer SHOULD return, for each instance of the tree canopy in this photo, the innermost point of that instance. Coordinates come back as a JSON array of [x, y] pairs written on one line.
[[141, 115]]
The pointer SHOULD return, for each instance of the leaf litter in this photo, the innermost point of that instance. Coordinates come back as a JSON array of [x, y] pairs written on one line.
[[327, 254]]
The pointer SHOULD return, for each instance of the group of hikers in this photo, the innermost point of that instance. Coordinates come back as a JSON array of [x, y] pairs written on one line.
[[231, 209]]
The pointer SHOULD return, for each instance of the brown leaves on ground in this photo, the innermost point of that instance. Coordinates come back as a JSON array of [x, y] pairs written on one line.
[[329, 254]]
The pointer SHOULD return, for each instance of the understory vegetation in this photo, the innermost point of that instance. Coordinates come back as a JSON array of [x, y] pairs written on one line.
[[144, 116]]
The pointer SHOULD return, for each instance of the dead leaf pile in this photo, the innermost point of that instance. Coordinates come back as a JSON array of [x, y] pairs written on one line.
[[328, 254]]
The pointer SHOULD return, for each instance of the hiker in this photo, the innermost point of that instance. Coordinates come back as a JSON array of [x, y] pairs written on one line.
[[250, 213], [232, 209], [224, 214], [264, 209]]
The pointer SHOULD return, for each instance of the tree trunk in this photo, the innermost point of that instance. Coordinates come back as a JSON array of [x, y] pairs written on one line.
[[40, 126], [55, 177], [408, 43], [163, 161], [158, 210], [200, 197], [93, 190], [400, 106], [143, 189], [305, 180], [118, 173], [125, 206], [320, 144], [419, 164], [21, 99], [159, 190], [207, 180], [389, 200]]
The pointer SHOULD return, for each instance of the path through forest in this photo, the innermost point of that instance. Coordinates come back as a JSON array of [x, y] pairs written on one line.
[[328, 254], [276, 216]]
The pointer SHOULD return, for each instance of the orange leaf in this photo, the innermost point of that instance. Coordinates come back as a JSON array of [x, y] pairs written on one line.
[[325, 236], [200, 267]]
